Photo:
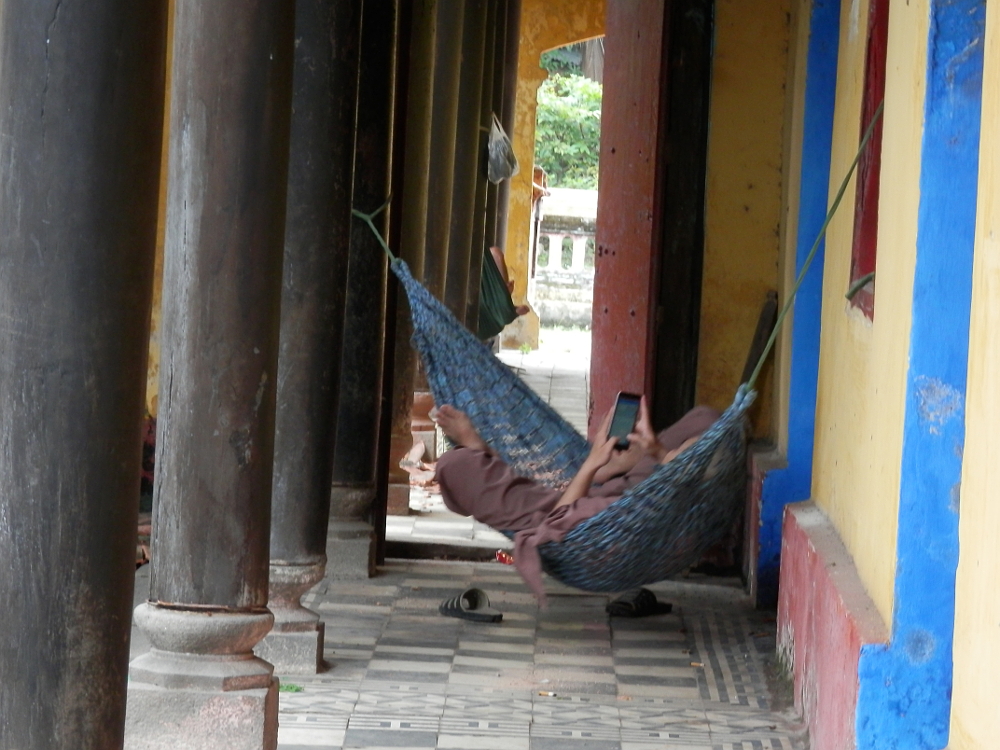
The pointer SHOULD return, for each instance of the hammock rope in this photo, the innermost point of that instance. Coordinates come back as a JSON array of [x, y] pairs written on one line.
[[657, 528]]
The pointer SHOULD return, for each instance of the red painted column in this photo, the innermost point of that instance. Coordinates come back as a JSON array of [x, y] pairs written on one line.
[[628, 236]]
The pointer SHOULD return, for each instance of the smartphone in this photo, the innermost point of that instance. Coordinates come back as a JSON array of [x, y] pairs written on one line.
[[623, 420]]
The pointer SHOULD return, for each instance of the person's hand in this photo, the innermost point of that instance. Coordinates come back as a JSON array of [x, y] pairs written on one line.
[[604, 447], [600, 452], [643, 434]]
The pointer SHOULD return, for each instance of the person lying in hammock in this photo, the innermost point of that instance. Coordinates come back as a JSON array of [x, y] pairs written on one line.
[[475, 482]]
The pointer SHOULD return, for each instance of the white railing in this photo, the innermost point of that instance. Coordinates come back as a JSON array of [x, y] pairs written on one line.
[[558, 259]]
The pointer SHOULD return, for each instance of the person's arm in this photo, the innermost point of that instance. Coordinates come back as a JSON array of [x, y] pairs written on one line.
[[646, 438], [600, 454]]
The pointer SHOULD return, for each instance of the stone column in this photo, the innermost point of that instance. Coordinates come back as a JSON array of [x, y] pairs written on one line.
[[81, 112], [350, 543], [317, 235], [201, 686]]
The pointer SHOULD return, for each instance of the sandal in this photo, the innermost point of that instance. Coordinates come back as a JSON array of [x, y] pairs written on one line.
[[637, 603], [471, 604]]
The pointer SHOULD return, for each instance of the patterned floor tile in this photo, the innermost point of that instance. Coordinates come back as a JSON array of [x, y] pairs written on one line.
[[567, 678]]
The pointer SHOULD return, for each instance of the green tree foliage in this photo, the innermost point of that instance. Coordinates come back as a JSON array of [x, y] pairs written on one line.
[[563, 60], [568, 130]]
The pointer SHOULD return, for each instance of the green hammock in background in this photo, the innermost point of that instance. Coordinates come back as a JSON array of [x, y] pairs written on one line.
[[496, 309]]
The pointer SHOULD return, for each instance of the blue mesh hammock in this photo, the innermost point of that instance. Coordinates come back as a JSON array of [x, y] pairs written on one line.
[[656, 529]]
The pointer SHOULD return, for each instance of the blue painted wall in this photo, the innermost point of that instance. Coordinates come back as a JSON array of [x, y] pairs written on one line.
[[904, 698], [794, 483]]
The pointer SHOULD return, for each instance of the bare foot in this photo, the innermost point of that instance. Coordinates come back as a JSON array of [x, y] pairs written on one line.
[[456, 425]]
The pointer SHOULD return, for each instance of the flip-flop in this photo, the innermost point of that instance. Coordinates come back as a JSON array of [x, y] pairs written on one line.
[[637, 603], [471, 604]]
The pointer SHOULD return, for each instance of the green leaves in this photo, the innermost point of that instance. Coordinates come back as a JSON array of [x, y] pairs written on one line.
[[568, 130]]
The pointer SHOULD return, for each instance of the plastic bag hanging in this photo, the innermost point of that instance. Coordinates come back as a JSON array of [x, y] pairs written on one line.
[[501, 162]]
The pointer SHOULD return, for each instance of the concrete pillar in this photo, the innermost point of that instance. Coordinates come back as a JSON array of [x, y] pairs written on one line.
[[469, 141], [317, 235], [413, 222], [81, 112], [201, 686], [350, 543]]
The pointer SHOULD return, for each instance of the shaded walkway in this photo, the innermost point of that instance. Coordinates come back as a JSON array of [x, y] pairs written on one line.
[[403, 676], [400, 675]]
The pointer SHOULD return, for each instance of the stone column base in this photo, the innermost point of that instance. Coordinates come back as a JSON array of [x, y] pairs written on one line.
[[160, 718], [295, 643], [200, 686], [399, 499], [294, 653], [350, 550]]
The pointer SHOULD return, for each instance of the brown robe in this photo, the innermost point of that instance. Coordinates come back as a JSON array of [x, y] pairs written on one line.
[[476, 483]]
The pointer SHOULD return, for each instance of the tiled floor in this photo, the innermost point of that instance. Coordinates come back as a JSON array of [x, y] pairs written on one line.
[[403, 676]]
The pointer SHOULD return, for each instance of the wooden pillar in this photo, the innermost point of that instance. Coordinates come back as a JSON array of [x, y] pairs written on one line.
[[413, 226], [479, 209], [499, 36], [317, 235], [683, 216], [628, 232], [81, 112], [201, 686], [468, 158], [350, 550], [448, 64], [512, 46]]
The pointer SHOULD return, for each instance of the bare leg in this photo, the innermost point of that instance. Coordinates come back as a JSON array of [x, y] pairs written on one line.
[[456, 425]]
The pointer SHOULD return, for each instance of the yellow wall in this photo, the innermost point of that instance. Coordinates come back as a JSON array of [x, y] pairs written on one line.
[[545, 25], [744, 190], [975, 716], [862, 383], [791, 185], [153, 366]]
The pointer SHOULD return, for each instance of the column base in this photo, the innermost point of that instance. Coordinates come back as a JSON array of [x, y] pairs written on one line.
[[159, 718], [295, 643], [350, 550], [399, 500], [294, 653], [351, 500], [200, 685]]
